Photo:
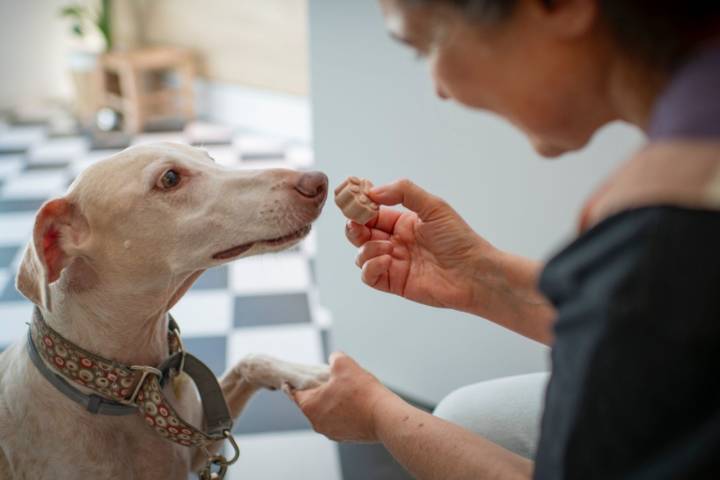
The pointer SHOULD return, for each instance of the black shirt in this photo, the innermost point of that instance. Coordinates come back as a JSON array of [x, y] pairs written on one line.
[[635, 387]]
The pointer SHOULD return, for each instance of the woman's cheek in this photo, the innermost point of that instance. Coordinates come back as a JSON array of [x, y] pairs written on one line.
[[456, 81]]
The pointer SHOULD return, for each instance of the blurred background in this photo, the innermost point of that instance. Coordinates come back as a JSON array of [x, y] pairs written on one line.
[[300, 84]]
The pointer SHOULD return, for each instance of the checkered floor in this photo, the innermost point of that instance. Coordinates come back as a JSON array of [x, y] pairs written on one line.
[[262, 304]]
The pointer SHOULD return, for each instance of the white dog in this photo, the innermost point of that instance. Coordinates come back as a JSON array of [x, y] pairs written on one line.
[[105, 264]]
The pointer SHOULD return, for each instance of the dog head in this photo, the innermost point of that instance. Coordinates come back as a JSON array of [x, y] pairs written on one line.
[[155, 217]]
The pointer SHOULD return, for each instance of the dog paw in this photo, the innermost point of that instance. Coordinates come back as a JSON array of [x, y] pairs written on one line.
[[268, 372], [311, 377]]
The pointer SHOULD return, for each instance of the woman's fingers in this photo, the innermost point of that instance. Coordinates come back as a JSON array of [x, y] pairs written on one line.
[[372, 249], [409, 195], [382, 227], [375, 272], [385, 220], [358, 234]]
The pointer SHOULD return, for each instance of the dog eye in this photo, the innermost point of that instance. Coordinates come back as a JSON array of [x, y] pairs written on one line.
[[170, 179]]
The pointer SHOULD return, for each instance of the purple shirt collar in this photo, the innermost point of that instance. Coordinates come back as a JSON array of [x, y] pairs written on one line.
[[690, 105]]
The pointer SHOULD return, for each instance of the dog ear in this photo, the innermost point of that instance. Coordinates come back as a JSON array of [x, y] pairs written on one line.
[[59, 231]]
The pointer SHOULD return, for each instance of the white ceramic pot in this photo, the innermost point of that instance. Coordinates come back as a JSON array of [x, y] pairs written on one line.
[[84, 70]]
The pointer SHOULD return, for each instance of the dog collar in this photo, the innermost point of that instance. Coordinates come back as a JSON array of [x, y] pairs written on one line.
[[115, 386], [120, 389]]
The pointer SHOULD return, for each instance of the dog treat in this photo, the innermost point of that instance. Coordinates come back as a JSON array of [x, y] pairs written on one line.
[[351, 197]]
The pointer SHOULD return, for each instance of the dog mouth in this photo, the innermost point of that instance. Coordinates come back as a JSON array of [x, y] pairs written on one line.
[[272, 242]]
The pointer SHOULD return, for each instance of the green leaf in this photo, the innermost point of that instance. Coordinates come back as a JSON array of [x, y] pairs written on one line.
[[76, 11], [104, 22]]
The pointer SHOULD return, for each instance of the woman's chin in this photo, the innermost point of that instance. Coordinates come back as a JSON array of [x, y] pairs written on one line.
[[550, 149]]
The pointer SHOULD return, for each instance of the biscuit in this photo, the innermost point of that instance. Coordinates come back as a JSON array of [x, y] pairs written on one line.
[[351, 197]]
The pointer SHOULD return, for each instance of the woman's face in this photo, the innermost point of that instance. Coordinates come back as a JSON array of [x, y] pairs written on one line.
[[545, 71]]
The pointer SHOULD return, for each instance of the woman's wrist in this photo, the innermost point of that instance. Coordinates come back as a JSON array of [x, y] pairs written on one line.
[[388, 413], [489, 282], [504, 290]]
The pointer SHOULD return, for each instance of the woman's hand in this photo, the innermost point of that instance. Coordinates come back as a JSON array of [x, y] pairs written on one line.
[[343, 409], [354, 406], [427, 254]]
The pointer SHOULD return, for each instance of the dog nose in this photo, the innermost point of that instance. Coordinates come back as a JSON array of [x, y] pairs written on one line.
[[312, 184]]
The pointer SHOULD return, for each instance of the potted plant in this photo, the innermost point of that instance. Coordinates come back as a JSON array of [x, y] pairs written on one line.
[[91, 28]]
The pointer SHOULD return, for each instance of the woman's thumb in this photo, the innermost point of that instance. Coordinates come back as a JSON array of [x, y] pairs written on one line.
[[408, 194]]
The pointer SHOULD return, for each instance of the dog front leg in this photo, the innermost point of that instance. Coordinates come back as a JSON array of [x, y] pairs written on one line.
[[261, 371]]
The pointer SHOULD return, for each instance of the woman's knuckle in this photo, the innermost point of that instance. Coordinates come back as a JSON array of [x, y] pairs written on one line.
[[405, 183], [440, 204], [342, 362]]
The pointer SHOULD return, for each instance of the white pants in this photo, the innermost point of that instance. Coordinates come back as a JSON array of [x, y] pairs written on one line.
[[506, 411]]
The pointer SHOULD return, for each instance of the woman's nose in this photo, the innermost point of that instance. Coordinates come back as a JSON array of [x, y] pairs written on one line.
[[312, 184], [440, 91]]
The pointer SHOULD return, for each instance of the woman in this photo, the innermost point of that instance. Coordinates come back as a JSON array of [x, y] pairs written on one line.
[[631, 308]]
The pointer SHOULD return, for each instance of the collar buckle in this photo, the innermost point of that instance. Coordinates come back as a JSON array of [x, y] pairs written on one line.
[[146, 370]]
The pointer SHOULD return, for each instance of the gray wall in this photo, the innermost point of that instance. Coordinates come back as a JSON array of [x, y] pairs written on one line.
[[375, 115]]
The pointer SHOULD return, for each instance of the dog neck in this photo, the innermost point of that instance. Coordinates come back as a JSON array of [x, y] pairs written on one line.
[[128, 327]]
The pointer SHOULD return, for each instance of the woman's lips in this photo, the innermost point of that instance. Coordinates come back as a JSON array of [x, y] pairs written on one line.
[[240, 249]]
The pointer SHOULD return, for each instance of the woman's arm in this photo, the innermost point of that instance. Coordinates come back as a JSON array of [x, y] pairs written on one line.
[[354, 406], [433, 449]]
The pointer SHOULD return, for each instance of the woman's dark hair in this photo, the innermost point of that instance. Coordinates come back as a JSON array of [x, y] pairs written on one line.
[[662, 33]]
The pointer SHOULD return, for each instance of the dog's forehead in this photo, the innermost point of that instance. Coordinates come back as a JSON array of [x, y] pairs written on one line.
[[130, 167], [135, 159], [144, 155]]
